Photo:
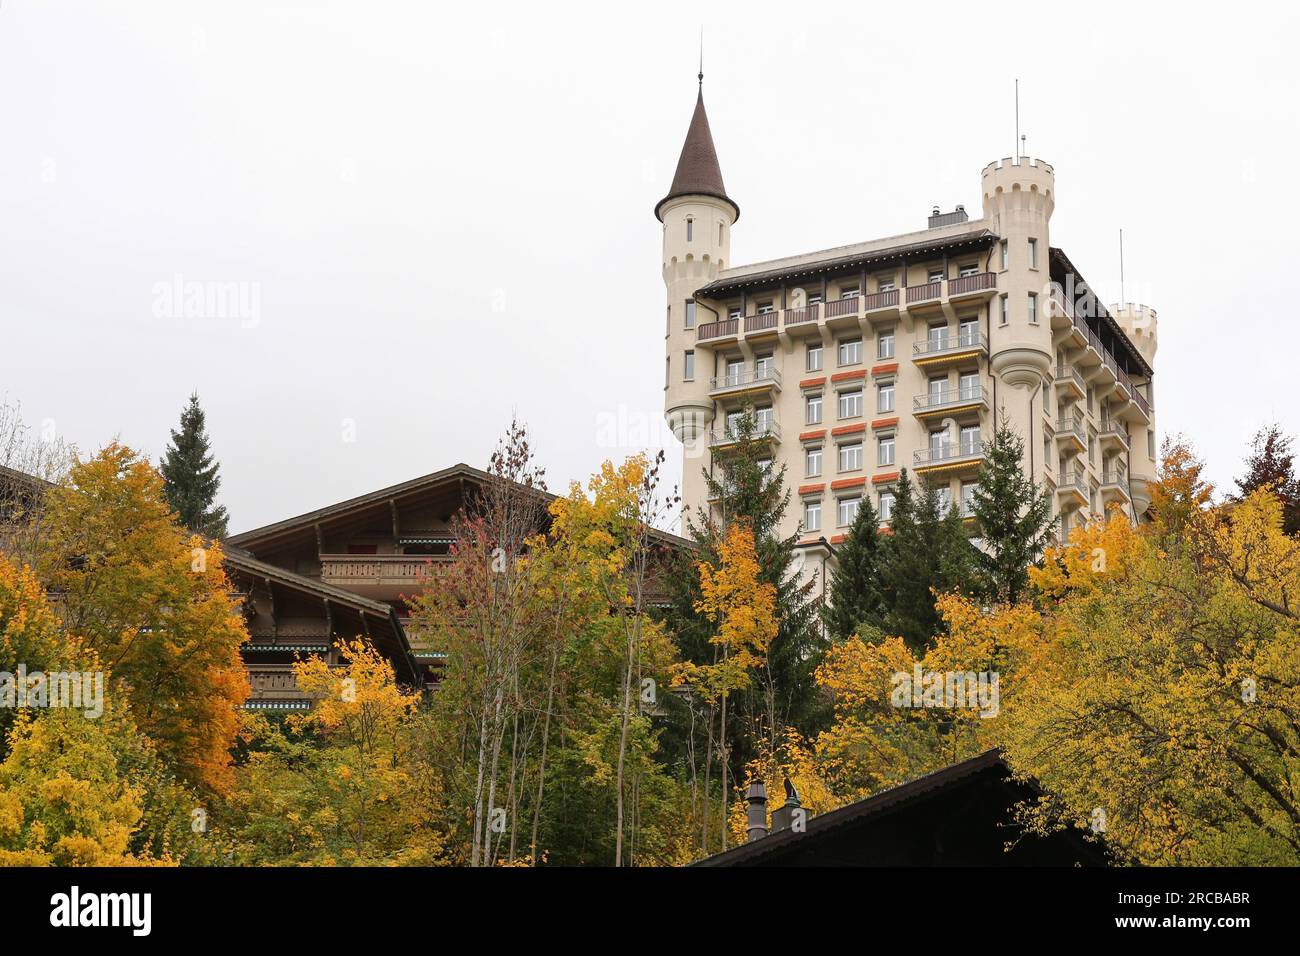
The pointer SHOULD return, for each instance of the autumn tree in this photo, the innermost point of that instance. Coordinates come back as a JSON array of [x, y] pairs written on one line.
[[190, 475], [154, 604], [1271, 465], [742, 609]]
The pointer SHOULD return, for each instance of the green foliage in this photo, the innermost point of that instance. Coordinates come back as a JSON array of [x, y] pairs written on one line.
[[1014, 516], [190, 475], [856, 589]]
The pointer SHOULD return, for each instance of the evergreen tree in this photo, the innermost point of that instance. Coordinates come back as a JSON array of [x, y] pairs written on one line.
[[928, 553], [856, 598], [1271, 465], [745, 487], [190, 475], [1014, 516]]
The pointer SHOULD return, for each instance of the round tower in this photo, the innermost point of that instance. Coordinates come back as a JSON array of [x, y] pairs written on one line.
[[1018, 200], [697, 216], [1139, 324]]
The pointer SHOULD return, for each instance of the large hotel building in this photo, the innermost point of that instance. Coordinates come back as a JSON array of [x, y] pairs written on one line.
[[904, 352]]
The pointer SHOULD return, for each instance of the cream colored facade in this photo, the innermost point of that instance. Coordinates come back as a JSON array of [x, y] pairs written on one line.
[[905, 352]]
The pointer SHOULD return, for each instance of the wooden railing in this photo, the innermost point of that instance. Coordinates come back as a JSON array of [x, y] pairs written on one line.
[[847, 306], [375, 568], [979, 282], [880, 300], [798, 316], [761, 322], [920, 293], [716, 330]]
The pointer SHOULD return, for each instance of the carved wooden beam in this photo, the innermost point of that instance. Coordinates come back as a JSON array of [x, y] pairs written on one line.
[[392, 504], [275, 622]]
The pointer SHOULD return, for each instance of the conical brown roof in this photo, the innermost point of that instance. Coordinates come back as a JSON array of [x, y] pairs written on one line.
[[698, 172]]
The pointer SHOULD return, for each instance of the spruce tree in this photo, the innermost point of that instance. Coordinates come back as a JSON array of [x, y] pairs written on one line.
[[928, 553], [1013, 514], [743, 488], [1271, 465], [856, 598], [190, 475]]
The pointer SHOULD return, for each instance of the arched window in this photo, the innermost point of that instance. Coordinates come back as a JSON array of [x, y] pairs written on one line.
[[690, 230]]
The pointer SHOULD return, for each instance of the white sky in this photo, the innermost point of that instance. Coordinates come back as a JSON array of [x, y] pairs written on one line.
[[446, 210]]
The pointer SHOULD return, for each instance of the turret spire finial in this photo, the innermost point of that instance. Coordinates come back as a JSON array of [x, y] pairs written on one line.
[[701, 76]]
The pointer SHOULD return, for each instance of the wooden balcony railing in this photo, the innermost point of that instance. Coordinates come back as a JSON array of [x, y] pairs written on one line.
[[799, 316], [761, 322], [375, 568], [979, 282], [881, 300], [716, 330], [847, 306], [920, 293]]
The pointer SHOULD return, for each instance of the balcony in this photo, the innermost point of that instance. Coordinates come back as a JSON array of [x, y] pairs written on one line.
[[937, 351], [921, 294], [745, 382], [1070, 435], [762, 322], [1113, 436], [382, 577], [1114, 487], [951, 401], [764, 430], [1068, 379], [843, 313], [981, 285], [724, 329], [1072, 489], [948, 456], [802, 321]]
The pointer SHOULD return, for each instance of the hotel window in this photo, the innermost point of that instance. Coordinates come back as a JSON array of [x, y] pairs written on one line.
[[851, 352], [939, 444], [812, 462], [1004, 252], [967, 496], [968, 270], [735, 371], [765, 308], [937, 337], [733, 423], [886, 505], [690, 230], [814, 363], [885, 345], [848, 292], [814, 298], [968, 332], [885, 451], [1151, 443], [1033, 253], [812, 516], [885, 397], [690, 313], [851, 403], [944, 498], [1033, 308], [733, 312], [1006, 310], [970, 439], [851, 457], [762, 367], [938, 390], [848, 510], [1092, 446], [885, 284], [688, 367], [968, 386], [763, 420], [668, 371], [813, 409], [935, 275]]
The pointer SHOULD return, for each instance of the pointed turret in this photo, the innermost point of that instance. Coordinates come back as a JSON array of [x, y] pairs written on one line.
[[698, 172]]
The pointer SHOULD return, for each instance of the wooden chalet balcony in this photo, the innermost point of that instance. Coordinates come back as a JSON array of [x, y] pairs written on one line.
[[274, 688], [762, 322], [930, 291], [977, 285], [807, 314], [382, 570]]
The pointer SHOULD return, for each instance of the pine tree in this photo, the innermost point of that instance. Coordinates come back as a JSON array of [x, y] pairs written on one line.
[[856, 597], [1014, 516], [745, 488], [190, 475], [1271, 465], [927, 554]]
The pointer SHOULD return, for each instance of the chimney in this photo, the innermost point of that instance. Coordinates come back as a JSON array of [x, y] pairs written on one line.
[[783, 818], [938, 219], [757, 796]]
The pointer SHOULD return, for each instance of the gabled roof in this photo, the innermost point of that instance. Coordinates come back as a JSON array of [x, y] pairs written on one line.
[[456, 473], [698, 172]]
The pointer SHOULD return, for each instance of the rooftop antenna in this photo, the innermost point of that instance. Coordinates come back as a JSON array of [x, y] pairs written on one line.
[[1121, 268], [1017, 163]]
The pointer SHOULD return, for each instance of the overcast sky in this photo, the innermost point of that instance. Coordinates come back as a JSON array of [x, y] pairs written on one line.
[[442, 213]]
